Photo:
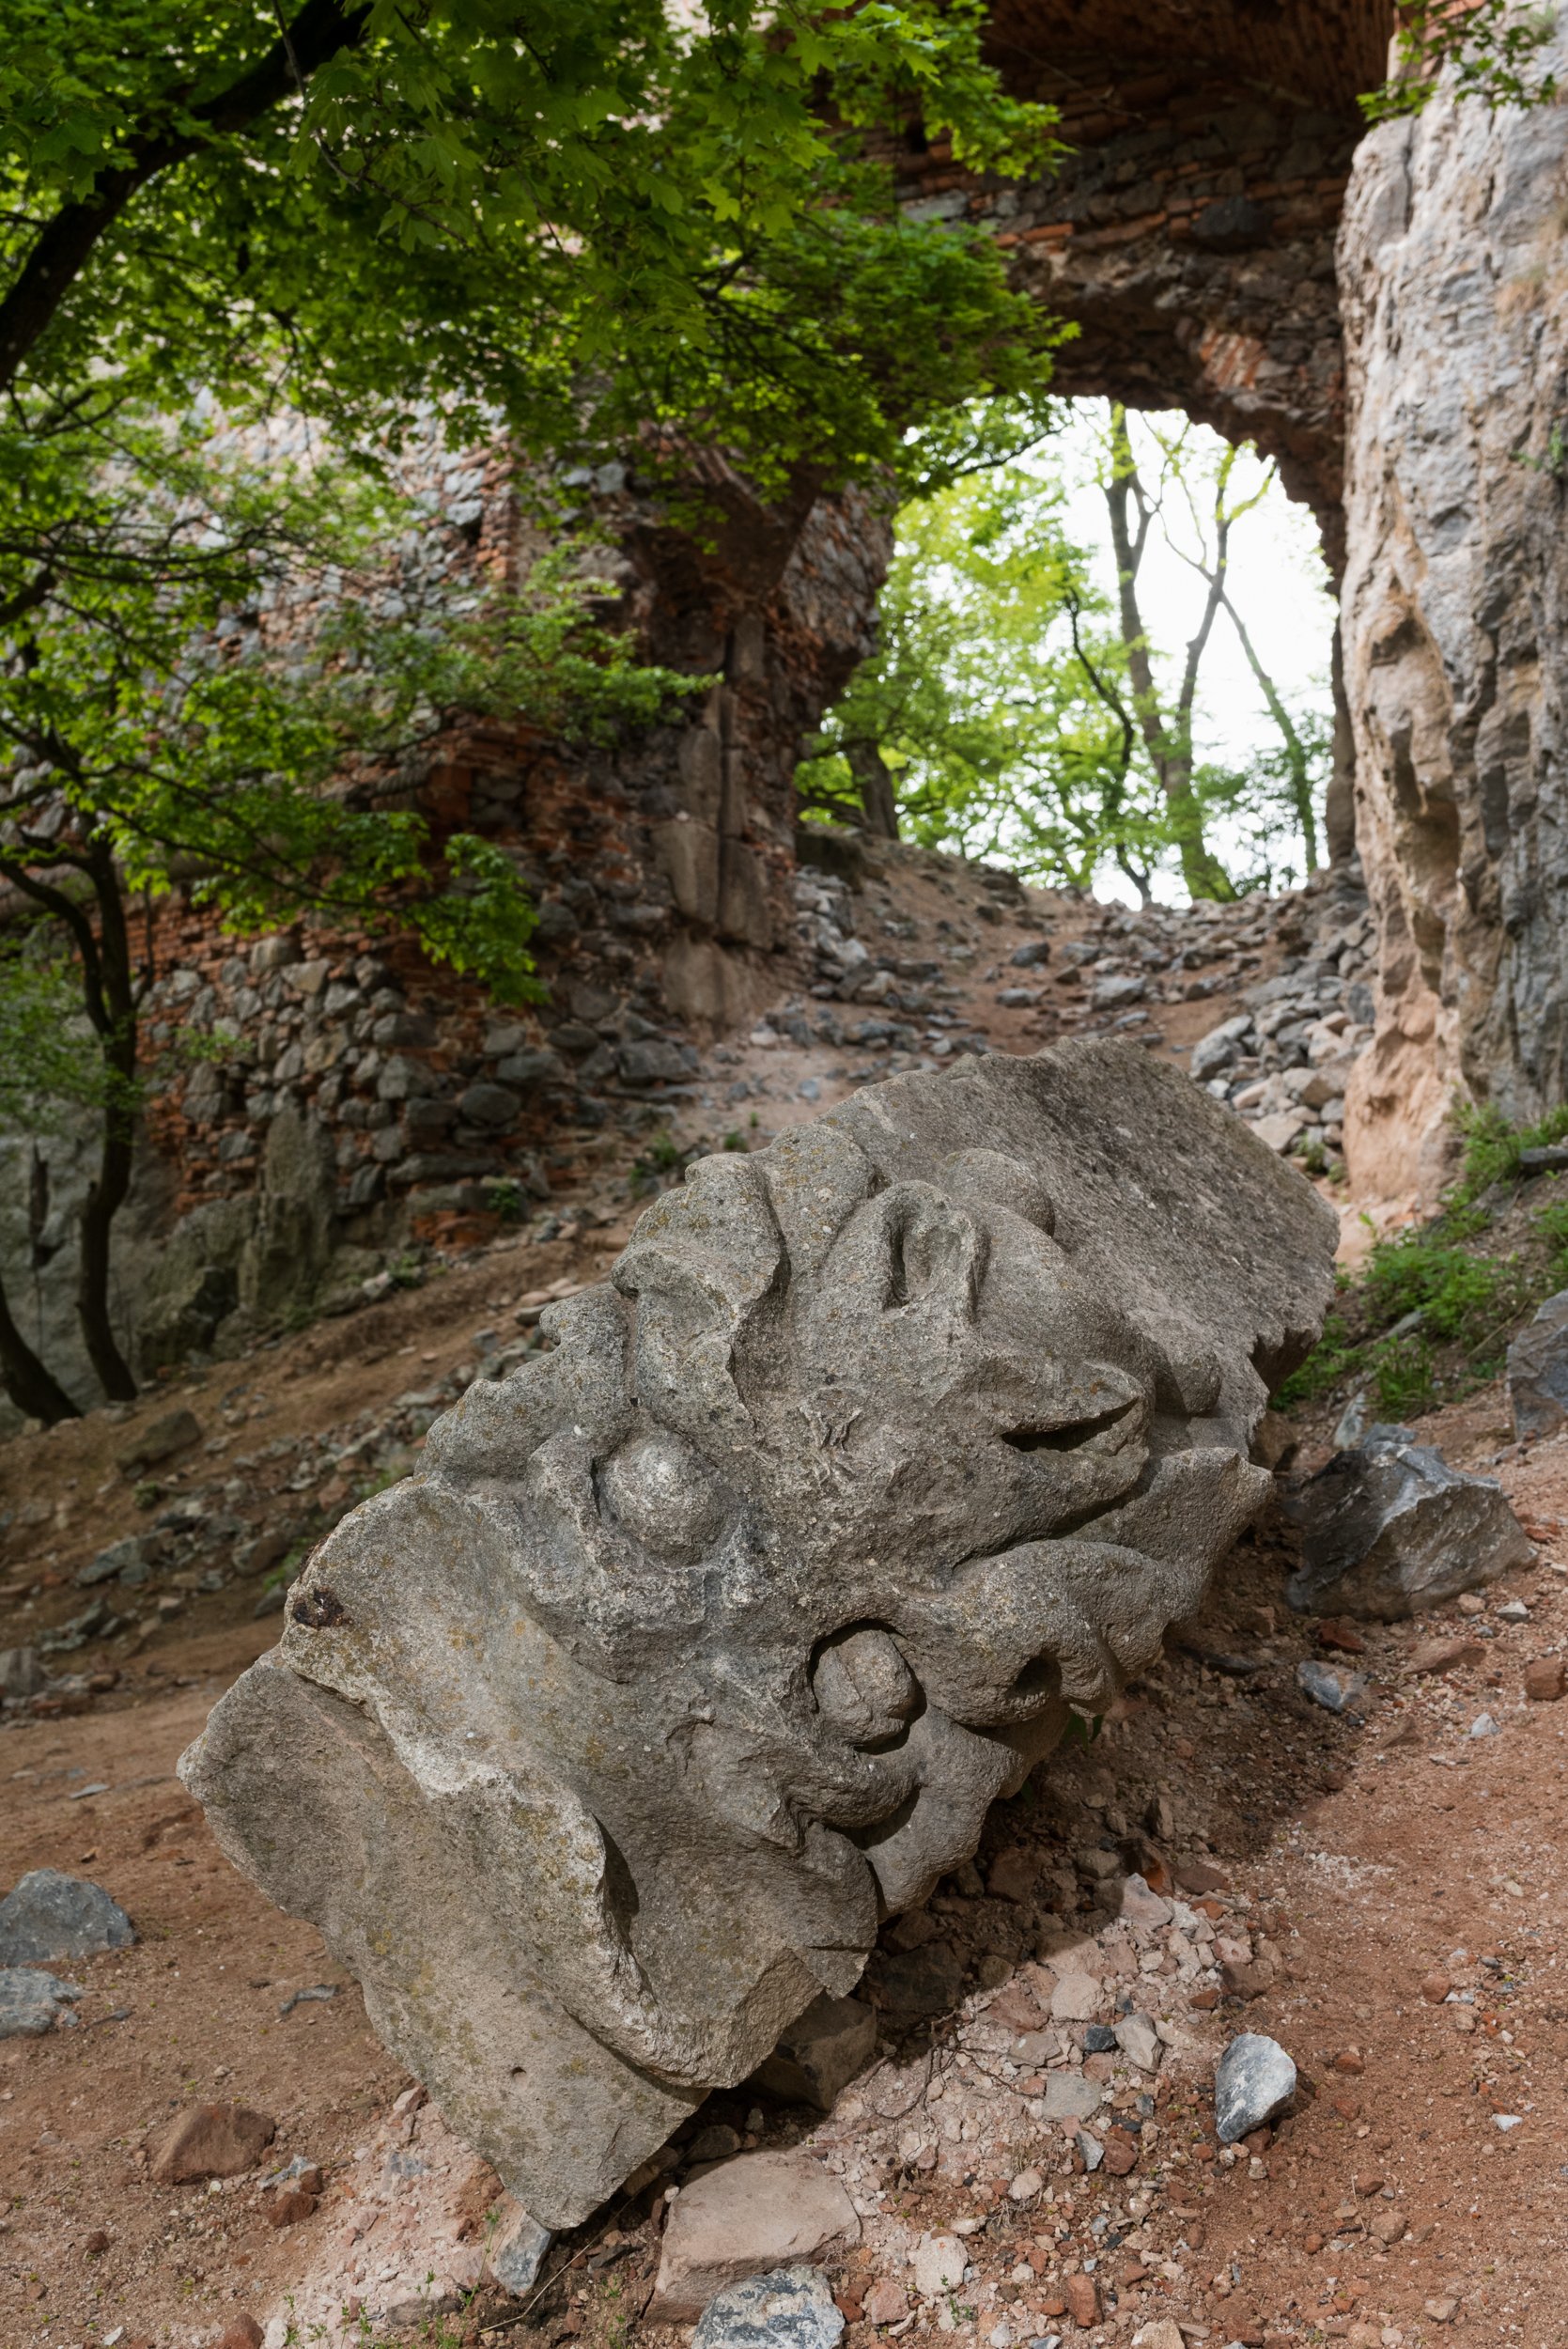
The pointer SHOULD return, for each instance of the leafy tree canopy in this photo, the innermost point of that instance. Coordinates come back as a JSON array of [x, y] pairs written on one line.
[[590, 215], [1492, 49], [1017, 706]]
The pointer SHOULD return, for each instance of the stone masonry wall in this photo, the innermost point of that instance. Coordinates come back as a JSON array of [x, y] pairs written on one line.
[[321, 1099]]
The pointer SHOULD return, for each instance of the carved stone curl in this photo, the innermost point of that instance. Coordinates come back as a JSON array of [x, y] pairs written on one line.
[[601, 1745]]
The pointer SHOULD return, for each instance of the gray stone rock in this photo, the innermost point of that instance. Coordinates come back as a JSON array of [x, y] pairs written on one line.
[[821, 2052], [517, 2250], [926, 1981], [791, 2308], [532, 1069], [1070, 2097], [32, 2002], [714, 1631], [654, 1061], [1030, 955], [1538, 1369], [1216, 1050], [1389, 1527], [1332, 1686], [490, 1105], [1116, 990], [51, 1914], [159, 1440], [113, 1562], [1254, 2083], [21, 1673]]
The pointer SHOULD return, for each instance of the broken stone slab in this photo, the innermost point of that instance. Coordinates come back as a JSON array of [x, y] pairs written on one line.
[[1076, 1999], [939, 2261], [791, 2308], [1140, 2042], [1254, 2083], [1070, 2097], [1141, 1906], [1390, 1529], [32, 2002], [704, 1641], [1538, 1369], [47, 1914], [761, 2212], [821, 2053]]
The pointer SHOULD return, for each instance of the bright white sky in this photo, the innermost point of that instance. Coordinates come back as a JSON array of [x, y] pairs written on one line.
[[1279, 583]]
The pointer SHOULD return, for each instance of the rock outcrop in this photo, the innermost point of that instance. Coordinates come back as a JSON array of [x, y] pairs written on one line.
[[599, 1748], [1452, 283]]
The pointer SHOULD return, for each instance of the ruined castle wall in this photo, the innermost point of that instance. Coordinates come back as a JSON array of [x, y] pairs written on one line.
[[322, 1099]]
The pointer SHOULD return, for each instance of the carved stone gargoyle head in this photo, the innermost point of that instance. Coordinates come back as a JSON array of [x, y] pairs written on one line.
[[600, 1746]]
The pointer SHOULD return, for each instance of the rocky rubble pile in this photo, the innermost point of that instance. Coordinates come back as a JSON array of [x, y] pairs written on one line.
[[1282, 1062]]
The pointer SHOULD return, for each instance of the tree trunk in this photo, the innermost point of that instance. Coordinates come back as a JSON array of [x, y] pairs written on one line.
[[869, 769], [1172, 760], [117, 1157], [30, 1386], [1295, 755]]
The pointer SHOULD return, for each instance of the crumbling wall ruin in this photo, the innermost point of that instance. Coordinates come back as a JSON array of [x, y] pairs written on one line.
[[348, 1097]]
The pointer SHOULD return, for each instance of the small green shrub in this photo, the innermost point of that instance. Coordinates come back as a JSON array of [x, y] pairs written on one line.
[[1334, 1354], [1493, 1148], [507, 1200], [1552, 1222], [1459, 1295], [1404, 1379]]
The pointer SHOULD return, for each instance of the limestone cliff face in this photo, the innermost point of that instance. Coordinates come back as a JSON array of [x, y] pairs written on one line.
[[1454, 279]]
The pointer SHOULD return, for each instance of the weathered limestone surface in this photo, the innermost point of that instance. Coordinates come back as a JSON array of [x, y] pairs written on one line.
[[1453, 278], [599, 1749]]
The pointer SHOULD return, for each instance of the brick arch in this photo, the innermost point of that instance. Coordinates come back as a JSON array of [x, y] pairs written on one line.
[[1188, 235]]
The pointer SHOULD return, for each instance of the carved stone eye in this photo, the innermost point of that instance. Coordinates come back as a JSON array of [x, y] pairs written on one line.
[[664, 1495], [864, 1687]]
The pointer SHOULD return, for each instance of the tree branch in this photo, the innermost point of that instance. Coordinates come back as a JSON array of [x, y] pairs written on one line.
[[66, 243]]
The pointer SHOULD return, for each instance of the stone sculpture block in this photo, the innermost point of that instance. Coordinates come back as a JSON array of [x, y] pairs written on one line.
[[600, 1747]]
